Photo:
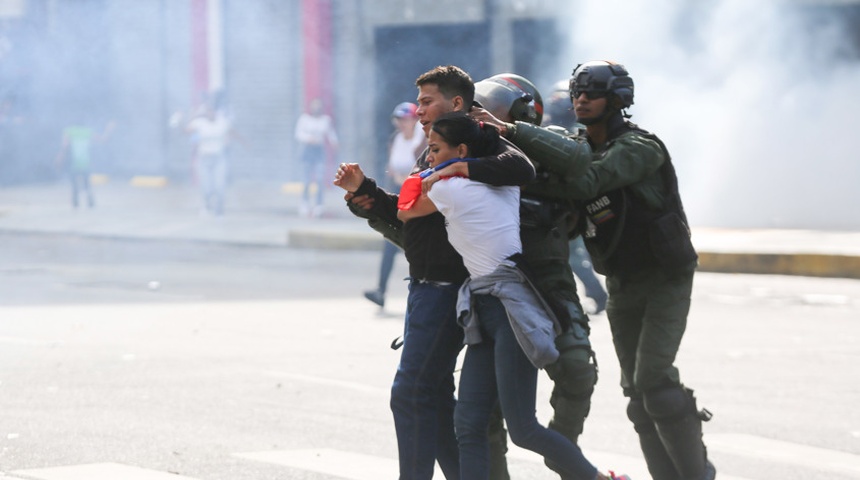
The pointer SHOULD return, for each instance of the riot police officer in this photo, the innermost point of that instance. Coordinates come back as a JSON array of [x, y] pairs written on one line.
[[636, 232], [547, 216]]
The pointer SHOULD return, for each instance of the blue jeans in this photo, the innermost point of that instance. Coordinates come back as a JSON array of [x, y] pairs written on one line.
[[495, 369], [580, 262], [213, 181], [422, 396], [313, 158], [81, 184]]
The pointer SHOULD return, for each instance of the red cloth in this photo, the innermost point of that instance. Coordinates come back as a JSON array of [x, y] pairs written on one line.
[[411, 188], [409, 192]]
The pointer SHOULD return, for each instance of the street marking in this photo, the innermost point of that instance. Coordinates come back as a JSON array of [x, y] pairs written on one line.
[[352, 466], [635, 467], [98, 471], [26, 341], [328, 381], [357, 466], [825, 299], [784, 452]]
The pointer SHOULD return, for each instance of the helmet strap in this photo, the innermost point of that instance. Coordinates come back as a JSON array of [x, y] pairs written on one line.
[[593, 121]]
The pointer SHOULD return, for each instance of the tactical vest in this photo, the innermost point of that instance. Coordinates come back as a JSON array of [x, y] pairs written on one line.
[[625, 236], [547, 217]]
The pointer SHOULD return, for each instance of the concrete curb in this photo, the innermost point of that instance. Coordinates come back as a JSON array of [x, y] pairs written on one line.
[[802, 264], [148, 181], [265, 215]]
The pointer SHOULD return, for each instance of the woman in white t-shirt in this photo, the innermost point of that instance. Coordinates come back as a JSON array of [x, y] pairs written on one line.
[[509, 331]]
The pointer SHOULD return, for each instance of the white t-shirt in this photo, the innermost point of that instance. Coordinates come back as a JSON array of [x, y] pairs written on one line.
[[315, 130], [483, 221], [402, 158], [212, 134]]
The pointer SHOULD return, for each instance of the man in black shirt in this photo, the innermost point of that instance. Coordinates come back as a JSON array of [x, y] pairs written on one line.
[[422, 395]]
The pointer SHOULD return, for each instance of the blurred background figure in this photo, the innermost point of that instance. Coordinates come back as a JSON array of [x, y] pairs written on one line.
[[559, 109], [212, 131], [405, 144], [559, 112], [314, 131], [75, 156], [580, 262]]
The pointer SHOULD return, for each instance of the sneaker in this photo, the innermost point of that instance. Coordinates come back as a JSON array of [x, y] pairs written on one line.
[[710, 470], [599, 304], [376, 297]]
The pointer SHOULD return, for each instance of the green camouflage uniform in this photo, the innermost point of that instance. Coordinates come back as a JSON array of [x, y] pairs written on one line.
[[636, 233]]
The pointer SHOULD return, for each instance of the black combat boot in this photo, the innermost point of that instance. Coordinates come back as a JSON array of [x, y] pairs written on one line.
[[681, 436], [659, 463], [683, 441]]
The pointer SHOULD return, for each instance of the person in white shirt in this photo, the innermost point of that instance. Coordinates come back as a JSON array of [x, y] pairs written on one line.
[[213, 131], [314, 130], [406, 144], [509, 329]]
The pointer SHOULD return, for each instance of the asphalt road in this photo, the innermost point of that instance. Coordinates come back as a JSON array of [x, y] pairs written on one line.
[[46, 269], [266, 363]]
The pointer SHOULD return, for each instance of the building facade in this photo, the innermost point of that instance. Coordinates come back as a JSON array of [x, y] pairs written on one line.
[[146, 64]]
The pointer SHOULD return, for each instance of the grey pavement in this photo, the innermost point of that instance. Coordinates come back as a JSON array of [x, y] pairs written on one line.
[[265, 214]]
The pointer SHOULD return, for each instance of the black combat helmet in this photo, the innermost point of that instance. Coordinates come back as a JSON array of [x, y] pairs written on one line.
[[600, 76], [559, 108], [508, 94]]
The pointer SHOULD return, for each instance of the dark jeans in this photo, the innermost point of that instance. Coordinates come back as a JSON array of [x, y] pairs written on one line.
[[422, 396], [80, 181], [497, 369]]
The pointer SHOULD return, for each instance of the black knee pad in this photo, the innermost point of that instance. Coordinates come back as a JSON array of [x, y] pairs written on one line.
[[573, 376], [637, 414], [669, 403], [636, 411], [582, 376], [575, 371]]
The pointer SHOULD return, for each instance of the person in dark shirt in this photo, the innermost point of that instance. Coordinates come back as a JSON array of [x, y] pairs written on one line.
[[422, 394]]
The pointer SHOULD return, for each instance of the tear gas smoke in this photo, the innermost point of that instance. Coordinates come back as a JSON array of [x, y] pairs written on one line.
[[756, 102]]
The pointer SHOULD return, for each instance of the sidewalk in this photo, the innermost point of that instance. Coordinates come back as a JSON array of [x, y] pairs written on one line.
[[264, 214]]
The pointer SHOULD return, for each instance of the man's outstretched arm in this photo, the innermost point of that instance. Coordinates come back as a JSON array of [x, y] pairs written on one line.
[[509, 166], [365, 199]]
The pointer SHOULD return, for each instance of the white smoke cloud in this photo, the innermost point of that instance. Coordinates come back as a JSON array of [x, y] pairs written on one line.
[[753, 99]]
